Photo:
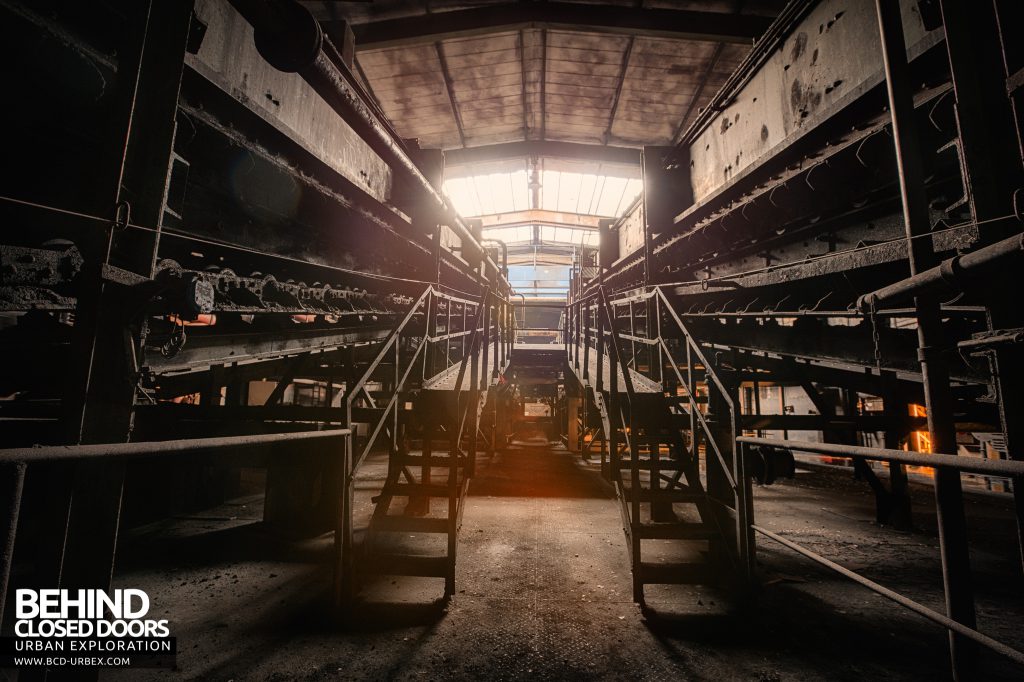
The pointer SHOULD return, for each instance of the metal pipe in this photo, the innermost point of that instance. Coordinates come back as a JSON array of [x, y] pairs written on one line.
[[14, 461], [935, 379], [914, 606], [12, 481], [290, 39], [973, 465], [1010, 337], [951, 272], [504, 254], [64, 453]]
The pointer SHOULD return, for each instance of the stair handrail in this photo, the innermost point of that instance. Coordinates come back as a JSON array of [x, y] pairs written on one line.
[[474, 339], [605, 309], [737, 476], [690, 393], [393, 337]]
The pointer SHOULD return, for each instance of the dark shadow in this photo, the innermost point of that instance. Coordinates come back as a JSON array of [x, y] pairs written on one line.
[[368, 617], [245, 542], [536, 468], [837, 641]]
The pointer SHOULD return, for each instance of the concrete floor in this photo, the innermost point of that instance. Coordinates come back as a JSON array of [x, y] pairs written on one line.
[[543, 592]]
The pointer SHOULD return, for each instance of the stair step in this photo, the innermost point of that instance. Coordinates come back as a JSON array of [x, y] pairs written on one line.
[[675, 531], [418, 490], [441, 462], [408, 564], [410, 524], [676, 574], [646, 464], [367, 414], [662, 495]]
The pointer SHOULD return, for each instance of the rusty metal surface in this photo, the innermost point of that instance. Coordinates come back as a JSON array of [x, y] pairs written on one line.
[[228, 56], [555, 84], [832, 53]]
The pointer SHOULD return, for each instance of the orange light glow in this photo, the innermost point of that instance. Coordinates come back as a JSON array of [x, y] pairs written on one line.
[[203, 320], [919, 441]]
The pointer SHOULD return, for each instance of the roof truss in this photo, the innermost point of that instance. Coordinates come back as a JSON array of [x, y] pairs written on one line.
[[670, 23]]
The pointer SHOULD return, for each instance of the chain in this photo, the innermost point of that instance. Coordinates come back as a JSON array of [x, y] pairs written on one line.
[[875, 336], [176, 341]]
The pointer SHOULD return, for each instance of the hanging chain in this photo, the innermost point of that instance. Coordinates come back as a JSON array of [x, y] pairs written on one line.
[[176, 341], [875, 336]]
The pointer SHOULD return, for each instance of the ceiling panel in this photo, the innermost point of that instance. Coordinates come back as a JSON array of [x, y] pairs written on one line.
[[546, 83]]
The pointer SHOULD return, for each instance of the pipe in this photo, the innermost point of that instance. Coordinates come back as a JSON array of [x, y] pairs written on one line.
[[973, 465], [1009, 337], [914, 606], [952, 271], [64, 453], [12, 482], [290, 39], [504, 254], [931, 334]]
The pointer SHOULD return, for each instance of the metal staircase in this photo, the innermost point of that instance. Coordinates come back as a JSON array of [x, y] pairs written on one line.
[[669, 422], [432, 376]]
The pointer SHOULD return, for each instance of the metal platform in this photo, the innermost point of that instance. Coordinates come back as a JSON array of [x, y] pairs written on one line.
[[641, 384], [446, 380]]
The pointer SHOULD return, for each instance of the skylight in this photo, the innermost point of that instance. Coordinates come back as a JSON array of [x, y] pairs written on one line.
[[587, 189], [489, 194], [546, 234]]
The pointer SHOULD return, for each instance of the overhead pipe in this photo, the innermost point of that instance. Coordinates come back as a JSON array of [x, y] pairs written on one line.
[[972, 465], [950, 272], [290, 39], [504, 254]]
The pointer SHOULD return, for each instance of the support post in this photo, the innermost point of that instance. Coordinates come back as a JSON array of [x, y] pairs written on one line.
[[12, 482], [108, 338], [956, 569], [993, 174]]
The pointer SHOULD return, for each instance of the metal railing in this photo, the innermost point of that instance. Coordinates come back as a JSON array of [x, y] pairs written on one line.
[[441, 335], [958, 464], [426, 332], [14, 463], [648, 350]]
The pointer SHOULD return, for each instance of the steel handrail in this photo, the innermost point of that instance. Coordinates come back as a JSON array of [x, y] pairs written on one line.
[[473, 341], [971, 465], [64, 453], [614, 336], [705, 427], [389, 340], [696, 348], [359, 386]]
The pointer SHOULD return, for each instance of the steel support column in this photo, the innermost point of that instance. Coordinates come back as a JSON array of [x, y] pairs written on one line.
[[108, 330], [12, 482], [993, 173], [956, 569]]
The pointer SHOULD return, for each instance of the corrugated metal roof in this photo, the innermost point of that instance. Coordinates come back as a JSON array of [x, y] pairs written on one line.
[[559, 84]]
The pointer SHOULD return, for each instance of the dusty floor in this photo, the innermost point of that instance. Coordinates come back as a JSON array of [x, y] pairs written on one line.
[[543, 592]]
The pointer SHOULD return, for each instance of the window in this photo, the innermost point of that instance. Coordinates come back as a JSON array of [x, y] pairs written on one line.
[[505, 188], [510, 235]]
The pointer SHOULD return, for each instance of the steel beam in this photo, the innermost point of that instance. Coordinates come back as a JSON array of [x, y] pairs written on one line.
[[956, 569], [951, 273], [447, 77], [543, 148], [291, 40], [828, 422], [206, 350], [536, 216], [101, 389], [668, 23]]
